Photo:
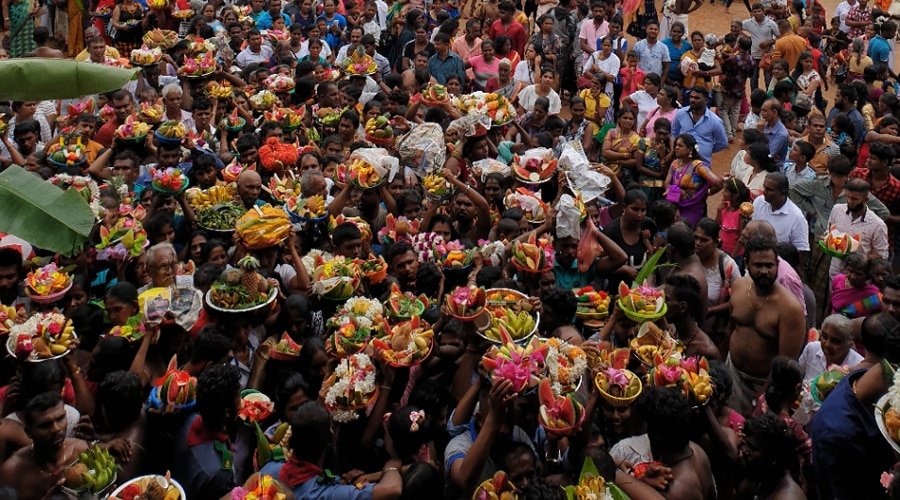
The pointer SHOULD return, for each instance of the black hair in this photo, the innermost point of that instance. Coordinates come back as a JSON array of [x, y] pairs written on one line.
[[878, 328], [40, 404], [760, 244], [217, 387], [286, 389], [757, 98], [720, 377], [709, 227], [208, 247], [211, 345], [111, 354], [789, 253], [422, 480], [26, 126], [634, 195], [206, 275], [667, 414], [840, 165], [883, 151], [775, 439], [759, 153], [681, 239], [785, 378], [121, 399], [686, 288], [123, 291], [156, 223], [345, 232], [780, 180], [10, 257], [406, 436], [562, 301], [806, 149], [310, 432], [487, 276]]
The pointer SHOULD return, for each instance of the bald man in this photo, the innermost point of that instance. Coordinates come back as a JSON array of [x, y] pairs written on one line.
[[249, 185]]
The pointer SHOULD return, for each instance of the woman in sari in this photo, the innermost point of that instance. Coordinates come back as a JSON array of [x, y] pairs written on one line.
[[690, 180], [503, 83], [852, 293], [19, 16], [620, 146]]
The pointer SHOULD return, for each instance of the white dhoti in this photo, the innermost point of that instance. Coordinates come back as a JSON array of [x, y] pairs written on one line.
[[667, 21]]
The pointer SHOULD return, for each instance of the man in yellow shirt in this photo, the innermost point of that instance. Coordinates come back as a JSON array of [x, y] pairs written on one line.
[[97, 50], [789, 45]]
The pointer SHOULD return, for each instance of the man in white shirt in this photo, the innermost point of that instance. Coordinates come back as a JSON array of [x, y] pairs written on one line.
[[855, 219], [841, 13], [346, 51], [778, 210], [255, 52]]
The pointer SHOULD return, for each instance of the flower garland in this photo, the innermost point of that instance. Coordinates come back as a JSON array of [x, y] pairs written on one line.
[[566, 363], [83, 185], [352, 388], [275, 155]]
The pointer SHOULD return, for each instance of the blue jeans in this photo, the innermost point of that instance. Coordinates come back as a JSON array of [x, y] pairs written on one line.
[[754, 80]]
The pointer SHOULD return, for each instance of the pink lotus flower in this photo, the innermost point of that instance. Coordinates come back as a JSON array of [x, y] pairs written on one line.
[[671, 374], [616, 377], [517, 373]]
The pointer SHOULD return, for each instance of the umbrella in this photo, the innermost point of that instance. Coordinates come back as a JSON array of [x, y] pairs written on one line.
[[36, 79], [43, 214]]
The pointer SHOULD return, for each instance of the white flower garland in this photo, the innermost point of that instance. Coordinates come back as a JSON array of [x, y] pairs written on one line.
[[373, 308], [577, 365], [66, 181], [894, 392], [361, 380]]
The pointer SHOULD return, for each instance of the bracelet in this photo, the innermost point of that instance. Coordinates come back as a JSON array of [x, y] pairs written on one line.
[[385, 387], [388, 469]]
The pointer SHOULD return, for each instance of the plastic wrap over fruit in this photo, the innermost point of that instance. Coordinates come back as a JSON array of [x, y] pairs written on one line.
[[568, 218]]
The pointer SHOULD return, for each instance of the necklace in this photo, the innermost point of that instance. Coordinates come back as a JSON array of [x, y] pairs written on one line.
[[756, 306]]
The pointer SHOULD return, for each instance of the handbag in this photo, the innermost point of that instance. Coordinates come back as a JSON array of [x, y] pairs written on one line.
[[673, 193]]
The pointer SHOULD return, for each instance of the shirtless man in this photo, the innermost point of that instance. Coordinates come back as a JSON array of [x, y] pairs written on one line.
[[767, 451], [41, 37], [36, 470], [668, 416], [683, 312], [765, 321], [412, 78], [678, 13], [683, 254]]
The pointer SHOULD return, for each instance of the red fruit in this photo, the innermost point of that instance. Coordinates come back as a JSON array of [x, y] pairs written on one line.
[[499, 480], [567, 411], [545, 393], [623, 289], [619, 358]]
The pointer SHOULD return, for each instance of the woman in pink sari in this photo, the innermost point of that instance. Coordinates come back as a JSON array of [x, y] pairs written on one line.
[[852, 293]]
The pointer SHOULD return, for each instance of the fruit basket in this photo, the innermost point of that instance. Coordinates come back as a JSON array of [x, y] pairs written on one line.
[[825, 382], [241, 290], [132, 131], [529, 202], [164, 39], [617, 384], [535, 166], [350, 388], [42, 337], [403, 306], [170, 181], [521, 365], [406, 344], [642, 303], [47, 284], [337, 279], [285, 349], [689, 374], [195, 68], [93, 475], [559, 415], [434, 95], [220, 218], [466, 303], [499, 487], [263, 227], [152, 486], [263, 100], [379, 131], [358, 320], [170, 132], [437, 187], [310, 209], [532, 256], [494, 106], [838, 244], [651, 341], [67, 153], [591, 304], [365, 175], [146, 56]]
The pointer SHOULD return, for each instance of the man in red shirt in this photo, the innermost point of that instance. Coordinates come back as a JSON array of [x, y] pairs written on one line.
[[506, 25], [882, 184], [123, 104]]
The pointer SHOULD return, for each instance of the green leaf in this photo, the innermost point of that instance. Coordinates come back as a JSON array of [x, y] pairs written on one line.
[[617, 492], [588, 469], [263, 451], [36, 79], [43, 214], [649, 266]]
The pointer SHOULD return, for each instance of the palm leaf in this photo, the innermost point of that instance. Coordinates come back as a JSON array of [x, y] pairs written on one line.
[[43, 214], [650, 266]]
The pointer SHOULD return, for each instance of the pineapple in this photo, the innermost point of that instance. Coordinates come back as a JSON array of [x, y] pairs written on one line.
[[252, 280]]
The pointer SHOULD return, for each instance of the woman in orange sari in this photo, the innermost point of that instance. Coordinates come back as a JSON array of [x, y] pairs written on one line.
[[75, 36]]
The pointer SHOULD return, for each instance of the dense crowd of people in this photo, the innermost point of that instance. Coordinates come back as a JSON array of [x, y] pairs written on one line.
[[358, 249]]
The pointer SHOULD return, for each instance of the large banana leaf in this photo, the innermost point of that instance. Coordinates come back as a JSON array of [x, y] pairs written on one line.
[[36, 79], [43, 214]]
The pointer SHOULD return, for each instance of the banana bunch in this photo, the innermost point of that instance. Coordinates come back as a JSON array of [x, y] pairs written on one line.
[[700, 385], [517, 325], [379, 128], [209, 198], [436, 184], [93, 472], [172, 129]]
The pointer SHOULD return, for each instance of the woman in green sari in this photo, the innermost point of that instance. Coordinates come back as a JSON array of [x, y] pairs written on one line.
[[19, 20]]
